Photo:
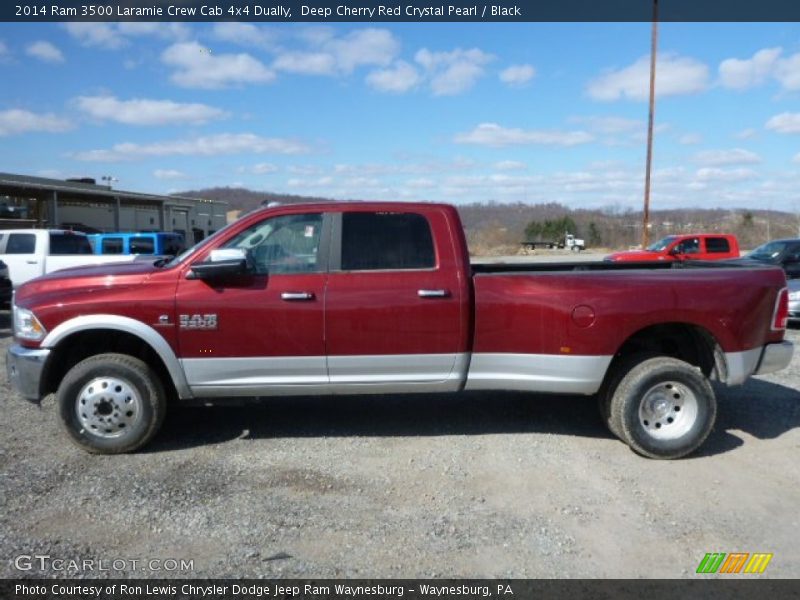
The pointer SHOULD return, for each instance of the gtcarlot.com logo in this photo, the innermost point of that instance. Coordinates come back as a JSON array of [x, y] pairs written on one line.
[[45, 562], [734, 563]]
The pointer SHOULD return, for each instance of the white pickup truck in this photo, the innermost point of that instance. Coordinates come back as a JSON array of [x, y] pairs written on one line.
[[30, 253]]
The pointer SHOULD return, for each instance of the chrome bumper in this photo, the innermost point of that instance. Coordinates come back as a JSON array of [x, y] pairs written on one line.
[[775, 357], [24, 369]]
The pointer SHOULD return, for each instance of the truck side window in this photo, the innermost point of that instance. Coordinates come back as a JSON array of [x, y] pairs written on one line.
[[143, 245], [380, 241], [286, 244], [21, 243], [112, 246], [716, 245], [691, 246]]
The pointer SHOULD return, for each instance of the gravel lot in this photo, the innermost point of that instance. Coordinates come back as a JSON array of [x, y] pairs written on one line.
[[486, 485]]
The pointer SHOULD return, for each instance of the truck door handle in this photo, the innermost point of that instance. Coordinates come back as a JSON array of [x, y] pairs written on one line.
[[433, 293], [32, 262], [295, 296]]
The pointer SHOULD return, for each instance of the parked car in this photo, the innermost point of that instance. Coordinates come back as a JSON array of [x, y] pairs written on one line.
[[376, 297], [781, 253], [696, 246], [30, 253], [159, 243], [794, 300]]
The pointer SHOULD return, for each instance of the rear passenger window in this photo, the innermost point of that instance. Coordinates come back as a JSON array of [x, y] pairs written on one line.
[[143, 245], [112, 246], [21, 243], [717, 245], [380, 241]]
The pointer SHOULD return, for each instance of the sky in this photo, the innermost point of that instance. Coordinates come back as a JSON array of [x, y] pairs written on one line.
[[451, 112]]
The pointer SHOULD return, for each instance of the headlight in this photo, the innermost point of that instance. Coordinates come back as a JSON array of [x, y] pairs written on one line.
[[27, 326], [794, 295]]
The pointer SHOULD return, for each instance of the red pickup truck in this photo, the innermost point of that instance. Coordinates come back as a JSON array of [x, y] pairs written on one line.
[[694, 246], [348, 298]]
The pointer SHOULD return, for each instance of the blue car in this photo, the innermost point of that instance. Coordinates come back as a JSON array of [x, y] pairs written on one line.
[[156, 243]]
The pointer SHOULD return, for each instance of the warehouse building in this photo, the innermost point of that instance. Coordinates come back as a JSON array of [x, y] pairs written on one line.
[[83, 205]]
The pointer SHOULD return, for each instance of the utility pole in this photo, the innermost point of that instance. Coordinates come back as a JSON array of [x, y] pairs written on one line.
[[653, 47]]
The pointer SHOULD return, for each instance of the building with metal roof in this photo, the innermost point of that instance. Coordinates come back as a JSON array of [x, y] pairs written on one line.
[[83, 205]]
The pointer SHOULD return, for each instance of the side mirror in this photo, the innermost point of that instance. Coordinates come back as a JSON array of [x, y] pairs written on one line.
[[226, 262]]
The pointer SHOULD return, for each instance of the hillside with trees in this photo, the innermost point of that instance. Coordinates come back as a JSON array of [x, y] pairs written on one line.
[[494, 228]]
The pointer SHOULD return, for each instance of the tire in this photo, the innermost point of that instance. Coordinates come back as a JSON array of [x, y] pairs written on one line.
[[576, 248], [126, 398], [661, 407]]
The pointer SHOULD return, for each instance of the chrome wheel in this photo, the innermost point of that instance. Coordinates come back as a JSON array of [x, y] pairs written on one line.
[[668, 410], [108, 407]]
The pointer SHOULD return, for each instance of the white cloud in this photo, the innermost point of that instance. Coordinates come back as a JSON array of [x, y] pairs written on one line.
[[5, 54], [796, 159], [785, 123], [690, 139], [15, 121], [510, 165], [245, 34], [168, 174], [45, 51], [214, 145], [306, 63], [787, 72], [332, 55], [142, 111], [259, 169], [743, 74], [610, 125], [675, 75], [736, 156], [517, 75], [453, 72], [397, 79], [746, 134], [492, 134], [197, 67], [715, 174], [113, 36]]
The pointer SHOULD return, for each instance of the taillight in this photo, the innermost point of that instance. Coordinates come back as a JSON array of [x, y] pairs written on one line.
[[781, 315]]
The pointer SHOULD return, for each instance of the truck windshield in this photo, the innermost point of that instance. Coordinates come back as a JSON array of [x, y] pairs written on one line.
[[768, 251], [201, 244], [661, 244]]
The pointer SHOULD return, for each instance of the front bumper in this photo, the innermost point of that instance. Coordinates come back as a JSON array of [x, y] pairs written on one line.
[[775, 357], [24, 369]]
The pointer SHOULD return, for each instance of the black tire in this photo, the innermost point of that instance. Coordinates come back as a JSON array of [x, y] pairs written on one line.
[[619, 370], [111, 403], [661, 407]]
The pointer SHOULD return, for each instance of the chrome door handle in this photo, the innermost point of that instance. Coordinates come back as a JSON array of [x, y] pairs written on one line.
[[293, 296], [433, 293], [32, 262]]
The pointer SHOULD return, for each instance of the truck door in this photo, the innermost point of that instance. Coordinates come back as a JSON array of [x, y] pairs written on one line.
[[24, 263], [260, 334], [393, 310]]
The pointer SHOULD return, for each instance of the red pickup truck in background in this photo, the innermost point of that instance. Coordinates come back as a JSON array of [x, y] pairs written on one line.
[[347, 298], [695, 246]]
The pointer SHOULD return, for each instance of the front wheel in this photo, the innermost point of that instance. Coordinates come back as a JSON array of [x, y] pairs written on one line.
[[111, 403], [663, 408]]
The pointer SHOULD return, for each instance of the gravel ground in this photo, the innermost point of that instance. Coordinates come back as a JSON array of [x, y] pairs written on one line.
[[481, 485]]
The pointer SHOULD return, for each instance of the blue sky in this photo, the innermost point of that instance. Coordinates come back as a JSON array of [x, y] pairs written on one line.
[[531, 112]]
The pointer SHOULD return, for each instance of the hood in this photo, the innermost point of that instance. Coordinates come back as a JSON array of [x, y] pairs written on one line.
[[637, 255], [67, 282]]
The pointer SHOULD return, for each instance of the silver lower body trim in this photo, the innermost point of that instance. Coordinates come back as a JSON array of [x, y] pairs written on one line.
[[563, 374], [740, 365], [320, 375], [24, 370]]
